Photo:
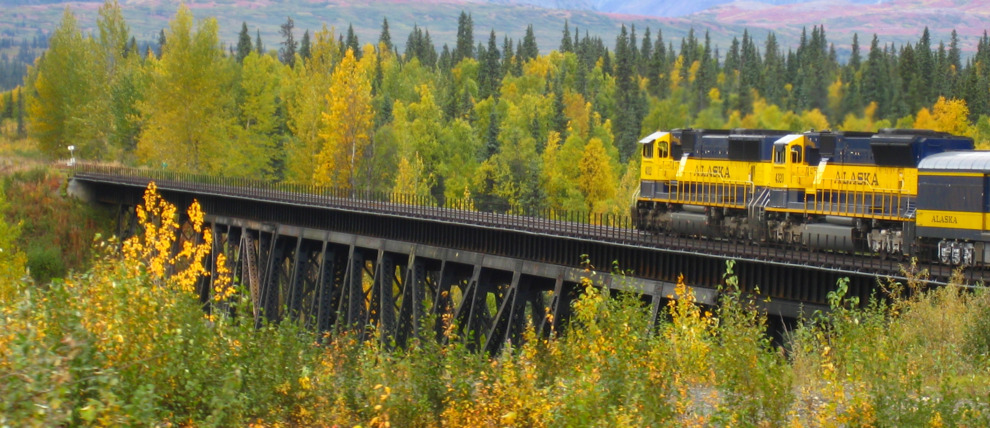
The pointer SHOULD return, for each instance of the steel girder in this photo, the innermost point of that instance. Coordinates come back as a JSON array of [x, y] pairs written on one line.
[[332, 286]]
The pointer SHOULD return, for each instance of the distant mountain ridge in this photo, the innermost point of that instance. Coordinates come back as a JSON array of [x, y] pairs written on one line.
[[660, 8], [894, 21]]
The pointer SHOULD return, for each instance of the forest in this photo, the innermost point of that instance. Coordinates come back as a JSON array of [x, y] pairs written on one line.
[[495, 119]]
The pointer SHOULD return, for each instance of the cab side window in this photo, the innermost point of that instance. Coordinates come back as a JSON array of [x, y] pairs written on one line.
[[796, 154], [662, 150], [648, 150]]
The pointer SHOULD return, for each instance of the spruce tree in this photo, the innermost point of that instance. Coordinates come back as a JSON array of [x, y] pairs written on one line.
[[412, 42], [8, 106], [352, 42], [287, 54], [633, 48], [925, 69], [243, 43], [909, 67], [465, 38], [645, 53], [385, 39], [853, 98], [492, 144], [750, 72], [953, 67], [304, 46], [875, 78], [658, 68], [529, 50], [258, 46], [707, 74], [429, 51], [507, 56], [490, 71], [565, 42], [446, 62], [21, 129]]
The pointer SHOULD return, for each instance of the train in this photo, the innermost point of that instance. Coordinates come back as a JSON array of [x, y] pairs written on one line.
[[895, 192]]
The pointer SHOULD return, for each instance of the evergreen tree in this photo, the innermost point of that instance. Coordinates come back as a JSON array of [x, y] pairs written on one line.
[[419, 45], [8, 106], [385, 39], [565, 42], [731, 63], [304, 46], [633, 48], [925, 69], [645, 53], [490, 70], [953, 68], [21, 129], [750, 72], [909, 68], [287, 54], [875, 85], [161, 41], [627, 114], [465, 38], [814, 72], [352, 42], [955, 54], [507, 57], [445, 64], [243, 43], [258, 46], [707, 74], [660, 81], [559, 121], [492, 144], [529, 50], [852, 78], [429, 51], [412, 44], [855, 59]]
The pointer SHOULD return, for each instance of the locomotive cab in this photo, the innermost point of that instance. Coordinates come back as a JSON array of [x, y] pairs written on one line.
[[790, 162], [659, 163]]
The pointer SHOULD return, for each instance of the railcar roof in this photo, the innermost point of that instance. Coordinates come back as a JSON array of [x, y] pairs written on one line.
[[649, 138], [957, 161]]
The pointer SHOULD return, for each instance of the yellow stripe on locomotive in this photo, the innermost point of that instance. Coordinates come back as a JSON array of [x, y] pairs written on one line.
[[956, 220]]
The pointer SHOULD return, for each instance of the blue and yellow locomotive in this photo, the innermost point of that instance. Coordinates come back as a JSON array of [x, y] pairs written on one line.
[[891, 192]]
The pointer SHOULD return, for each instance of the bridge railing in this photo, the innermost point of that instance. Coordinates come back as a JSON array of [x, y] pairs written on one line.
[[463, 208]]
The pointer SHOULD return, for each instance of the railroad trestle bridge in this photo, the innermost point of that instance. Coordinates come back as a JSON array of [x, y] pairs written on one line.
[[310, 253]]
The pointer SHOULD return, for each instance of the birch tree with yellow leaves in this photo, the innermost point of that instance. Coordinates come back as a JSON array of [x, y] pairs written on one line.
[[188, 113], [347, 126], [304, 91]]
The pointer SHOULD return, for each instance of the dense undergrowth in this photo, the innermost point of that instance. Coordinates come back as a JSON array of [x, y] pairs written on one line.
[[56, 232], [127, 343]]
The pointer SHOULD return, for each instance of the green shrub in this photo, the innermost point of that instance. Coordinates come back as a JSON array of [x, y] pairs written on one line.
[[45, 262]]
